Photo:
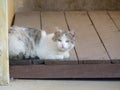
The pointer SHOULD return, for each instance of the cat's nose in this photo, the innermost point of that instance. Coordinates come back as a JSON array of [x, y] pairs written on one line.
[[62, 46]]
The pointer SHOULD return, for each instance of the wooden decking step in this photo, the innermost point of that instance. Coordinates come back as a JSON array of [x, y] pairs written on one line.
[[97, 49]]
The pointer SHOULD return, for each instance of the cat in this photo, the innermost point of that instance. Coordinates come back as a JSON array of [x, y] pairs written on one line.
[[27, 42]]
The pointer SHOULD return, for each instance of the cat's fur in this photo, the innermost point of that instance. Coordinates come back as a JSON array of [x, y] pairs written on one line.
[[29, 42]]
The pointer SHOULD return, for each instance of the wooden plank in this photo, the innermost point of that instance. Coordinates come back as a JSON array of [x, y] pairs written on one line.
[[66, 71], [108, 32], [51, 20], [88, 45], [11, 11], [28, 19], [4, 61], [115, 16]]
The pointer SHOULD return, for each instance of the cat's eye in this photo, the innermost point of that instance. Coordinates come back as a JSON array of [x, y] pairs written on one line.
[[67, 41], [59, 40]]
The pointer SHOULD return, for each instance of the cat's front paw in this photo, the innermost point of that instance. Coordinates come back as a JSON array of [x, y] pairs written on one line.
[[66, 55], [59, 57]]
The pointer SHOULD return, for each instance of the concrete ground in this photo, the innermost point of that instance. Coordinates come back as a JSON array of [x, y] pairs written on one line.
[[61, 85]]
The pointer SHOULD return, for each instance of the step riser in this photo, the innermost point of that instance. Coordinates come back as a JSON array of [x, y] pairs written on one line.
[[58, 5]]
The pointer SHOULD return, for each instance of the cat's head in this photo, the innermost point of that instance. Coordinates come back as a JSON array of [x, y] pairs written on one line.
[[64, 40]]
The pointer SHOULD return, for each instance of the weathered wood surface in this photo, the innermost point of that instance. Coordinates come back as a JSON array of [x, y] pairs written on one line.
[[51, 20], [66, 71], [88, 45], [28, 19], [108, 33], [115, 16]]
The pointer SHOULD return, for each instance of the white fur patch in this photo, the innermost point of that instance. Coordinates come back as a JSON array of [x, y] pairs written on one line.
[[48, 49], [18, 46]]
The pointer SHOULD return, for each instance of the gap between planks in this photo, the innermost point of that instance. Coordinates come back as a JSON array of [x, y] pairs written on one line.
[[88, 44], [99, 35], [115, 17], [79, 62], [108, 33]]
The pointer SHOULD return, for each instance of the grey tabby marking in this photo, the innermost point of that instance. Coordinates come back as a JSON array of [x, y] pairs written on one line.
[[34, 33], [29, 36]]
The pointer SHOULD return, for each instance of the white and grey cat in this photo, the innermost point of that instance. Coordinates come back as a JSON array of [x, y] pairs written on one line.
[[27, 42]]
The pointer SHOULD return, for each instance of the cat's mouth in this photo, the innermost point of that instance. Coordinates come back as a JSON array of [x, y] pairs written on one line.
[[63, 49]]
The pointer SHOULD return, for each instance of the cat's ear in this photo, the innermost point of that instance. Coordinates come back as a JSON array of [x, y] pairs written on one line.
[[72, 33], [58, 30], [56, 33]]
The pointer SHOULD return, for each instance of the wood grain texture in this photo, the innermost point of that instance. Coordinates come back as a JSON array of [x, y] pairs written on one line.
[[88, 45], [108, 32], [28, 19], [4, 61], [115, 15], [66, 71], [51, 20]]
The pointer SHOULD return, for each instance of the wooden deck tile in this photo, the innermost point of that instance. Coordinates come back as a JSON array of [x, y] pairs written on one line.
[[115, 15], [108, 32], [28, 19], [51, 20], [88, 45]]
